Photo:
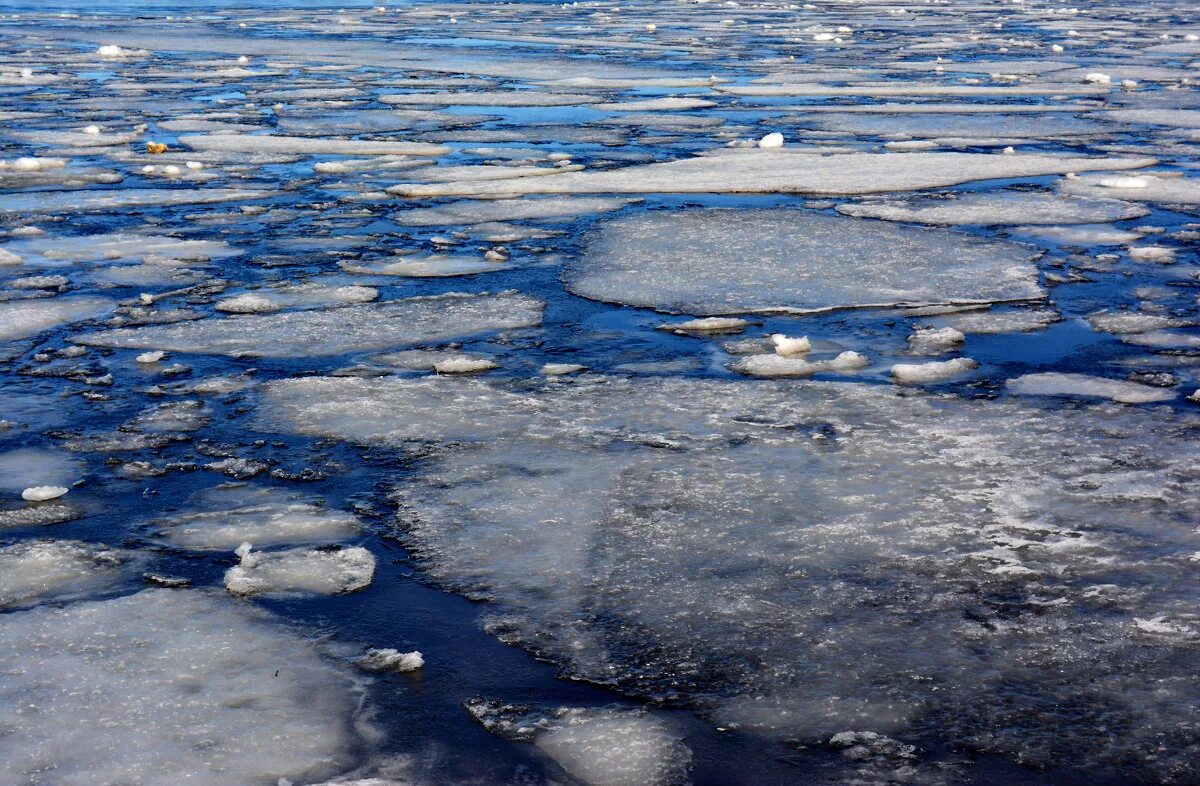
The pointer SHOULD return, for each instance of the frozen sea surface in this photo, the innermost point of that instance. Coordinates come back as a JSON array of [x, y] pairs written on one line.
[[598, 394]]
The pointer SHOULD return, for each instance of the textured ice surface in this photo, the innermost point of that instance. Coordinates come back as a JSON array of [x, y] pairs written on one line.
[[736, 261], [24, 318], [61, 250], [40, 570], [167, 686], [320, 571], [390, 660], [427, 266], [68, 201], [264, 516], [808, 558], [768, 171], [1052, 383], [1012, 321], [997, 207], [334, 331]]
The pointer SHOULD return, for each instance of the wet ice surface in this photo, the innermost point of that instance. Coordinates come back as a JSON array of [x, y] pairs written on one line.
[[813, 386]]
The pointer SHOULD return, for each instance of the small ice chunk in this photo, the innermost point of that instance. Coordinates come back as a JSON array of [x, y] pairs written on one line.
[[707, 325], [785, 345], [921, 373], [43, 493], [318, 571], [380, 660], [249, 303], [934, 341], [771, 141], [774, 365], [151, 357], [561, 369], [1122, 181], [463, 365]]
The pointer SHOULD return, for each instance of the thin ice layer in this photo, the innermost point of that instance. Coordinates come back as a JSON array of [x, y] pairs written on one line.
[[167, 686], [710, 262], [803, 559], [68, 201], [773, 171], [24, 318], [334, 331]]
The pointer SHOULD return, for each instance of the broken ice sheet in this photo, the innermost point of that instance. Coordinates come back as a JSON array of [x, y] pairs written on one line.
[[169, 686], [68, 201], [711, 262], [24, 318], [227, 516], [802, 559], [334, 331], [300, 571]]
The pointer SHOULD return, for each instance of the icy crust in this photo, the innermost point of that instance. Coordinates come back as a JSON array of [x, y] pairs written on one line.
[[41, 570], [68, 201], [300, 571], [24, 318], [119, 246], [999, 207], [599, 746], [335, 331], [802, 559], [776, 171], [712, 262], [264, 516], [167, 686]]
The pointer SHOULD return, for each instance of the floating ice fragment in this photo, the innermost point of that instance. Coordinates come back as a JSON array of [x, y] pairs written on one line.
[[43, 493], [790, 346], [561, 369], [464, 365], [380, 660], [707, 325], [334, 331], [169, 686], [714, 262], [34, 571], [324, 572], [151, 357], [1061, 384], [771, 141], [934, 341], [922, 373]]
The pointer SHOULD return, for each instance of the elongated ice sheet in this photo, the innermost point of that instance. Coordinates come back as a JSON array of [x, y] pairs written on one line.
[[803, 559], [736, 261], [333, 331], [999, 207], [783, 172], [66, 201], [166, 686]]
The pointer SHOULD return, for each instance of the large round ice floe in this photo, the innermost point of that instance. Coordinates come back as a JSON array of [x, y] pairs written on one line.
[[803, 559], [737, 261], [167, 686]]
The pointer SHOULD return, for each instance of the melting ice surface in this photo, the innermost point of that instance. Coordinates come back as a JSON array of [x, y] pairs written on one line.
[[598, 394]]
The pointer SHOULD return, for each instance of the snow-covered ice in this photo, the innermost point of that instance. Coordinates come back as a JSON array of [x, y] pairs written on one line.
[[319, 571]]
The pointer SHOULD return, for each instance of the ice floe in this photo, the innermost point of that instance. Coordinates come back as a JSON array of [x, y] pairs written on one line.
[[736, 261], [1053, 383], [292, 571], [997, 207], [334, 331], [168, 686], [42, 570], [24, 318]]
